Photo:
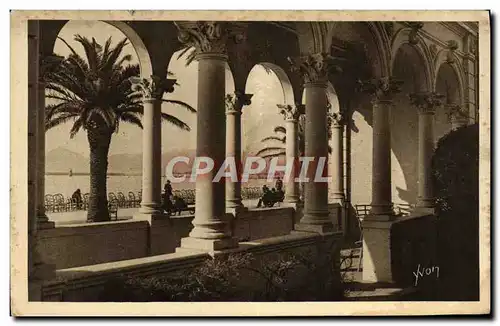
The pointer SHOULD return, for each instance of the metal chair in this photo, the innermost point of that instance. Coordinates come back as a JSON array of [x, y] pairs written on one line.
[[113, 209], [131, 199], [59, 203], [86, 197], [49, 203], [122, 201]]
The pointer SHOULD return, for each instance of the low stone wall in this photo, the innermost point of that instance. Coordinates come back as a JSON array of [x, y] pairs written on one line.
[[263, 223], [87, 244], [86, 282], [393, 250], [413, 249], [95, 243]]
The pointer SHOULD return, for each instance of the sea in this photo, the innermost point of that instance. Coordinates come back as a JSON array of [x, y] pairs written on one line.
[[66, 185]]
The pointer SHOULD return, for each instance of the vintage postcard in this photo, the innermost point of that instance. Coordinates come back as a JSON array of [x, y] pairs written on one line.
[[250, 163]]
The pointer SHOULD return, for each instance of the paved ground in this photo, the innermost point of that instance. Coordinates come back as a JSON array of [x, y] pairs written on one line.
[[77, 217]]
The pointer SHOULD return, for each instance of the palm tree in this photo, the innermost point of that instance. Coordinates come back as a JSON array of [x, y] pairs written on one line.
[[95, 94], [280, 138]]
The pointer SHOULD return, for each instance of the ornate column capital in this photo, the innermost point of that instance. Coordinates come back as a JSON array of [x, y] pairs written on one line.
[[426, 102], [291, 112], [381, 89], [335, 119], [152, 87], [210, 37], [235, 103], [315, 68]]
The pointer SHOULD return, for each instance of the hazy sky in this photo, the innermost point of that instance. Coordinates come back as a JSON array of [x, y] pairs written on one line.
[[258, 119]]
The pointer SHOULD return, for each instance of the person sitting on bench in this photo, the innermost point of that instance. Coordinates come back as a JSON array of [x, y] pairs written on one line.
[[179, 205], [267, 196], [77, 198]]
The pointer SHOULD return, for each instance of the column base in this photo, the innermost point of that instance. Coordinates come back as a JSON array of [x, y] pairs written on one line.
[[314, 228], [150, 217], [234, 203], [385, 209], [292, 199], [206, 245], [380, 218], [338, 198], [377, 258], [150, 208], [235, 211]]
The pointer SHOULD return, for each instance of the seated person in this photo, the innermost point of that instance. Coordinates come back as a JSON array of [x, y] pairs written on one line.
[[267, 197], [167, 204], [77, 198], [279, 184], [279, 195], [179, 204]]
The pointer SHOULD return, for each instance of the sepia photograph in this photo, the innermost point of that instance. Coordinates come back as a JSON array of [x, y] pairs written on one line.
[[270, 163]]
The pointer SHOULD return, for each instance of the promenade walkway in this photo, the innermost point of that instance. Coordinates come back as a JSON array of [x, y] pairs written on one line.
[[80, 216]]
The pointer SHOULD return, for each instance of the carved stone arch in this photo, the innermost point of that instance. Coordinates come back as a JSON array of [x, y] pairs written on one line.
[[382, 42], [145, 62], [369, 36], [333, 98], [312, 37], [401, 38], [442, 57], [286, 85], [50, 30]]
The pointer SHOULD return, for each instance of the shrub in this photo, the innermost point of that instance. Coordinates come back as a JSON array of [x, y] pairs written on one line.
[[456, 183], [238, 277]]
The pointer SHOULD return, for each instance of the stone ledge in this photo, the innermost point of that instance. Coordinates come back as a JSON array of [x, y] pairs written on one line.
[[92, 228], [95, 275], [415, 215]]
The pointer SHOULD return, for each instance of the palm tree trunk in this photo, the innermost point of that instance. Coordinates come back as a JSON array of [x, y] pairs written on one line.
[[99, 141]]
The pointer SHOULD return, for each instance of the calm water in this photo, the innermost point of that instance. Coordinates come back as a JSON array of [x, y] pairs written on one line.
[[66, 185]]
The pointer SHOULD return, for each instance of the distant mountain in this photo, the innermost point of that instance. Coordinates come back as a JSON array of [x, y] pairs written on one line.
[[125, 163], [62, 160]]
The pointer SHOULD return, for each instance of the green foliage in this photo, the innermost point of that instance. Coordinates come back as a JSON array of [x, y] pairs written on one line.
[[96, 89], [238, 277], [456, 171], [456, 182]]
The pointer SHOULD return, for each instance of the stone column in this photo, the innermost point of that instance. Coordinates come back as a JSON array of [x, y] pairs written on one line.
[[33, 61], [46, 64], [234, 106], [381, 91], [314, 69], [211, 230], [42, 219], [37, 269], [377, 254], [426, 104], [337, 182], [152, 90], [292, 113], [458, 116]]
